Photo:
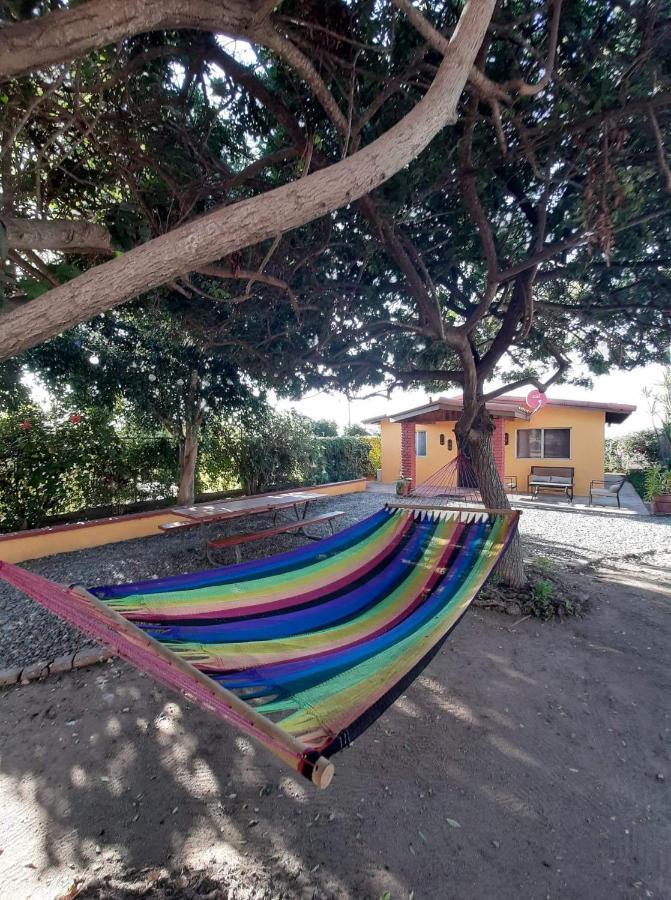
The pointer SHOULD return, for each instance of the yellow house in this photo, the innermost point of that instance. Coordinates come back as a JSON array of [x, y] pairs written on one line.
[[565, 433]]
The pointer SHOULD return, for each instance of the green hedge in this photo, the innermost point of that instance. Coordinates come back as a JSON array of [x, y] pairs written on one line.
[[51, 465], [639, 450], [637, 478], [54, 465], [344, 458]]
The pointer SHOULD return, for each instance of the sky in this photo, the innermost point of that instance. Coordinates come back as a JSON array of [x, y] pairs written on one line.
[[617, 387]]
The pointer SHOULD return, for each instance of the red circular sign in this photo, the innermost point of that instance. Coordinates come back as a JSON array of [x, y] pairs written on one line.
[[536, 399]]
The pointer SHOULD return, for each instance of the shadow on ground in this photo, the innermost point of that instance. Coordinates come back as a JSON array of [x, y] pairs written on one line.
[[527, 761]]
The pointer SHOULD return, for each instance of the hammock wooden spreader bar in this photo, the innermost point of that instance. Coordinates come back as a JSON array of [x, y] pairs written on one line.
[[305, 649], [80, 608]]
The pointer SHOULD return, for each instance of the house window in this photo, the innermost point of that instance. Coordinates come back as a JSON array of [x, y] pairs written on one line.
[[420, 443], [442, 440], [544, 443]]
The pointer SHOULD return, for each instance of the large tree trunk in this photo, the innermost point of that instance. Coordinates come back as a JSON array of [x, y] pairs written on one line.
[[248, 222], [188, 457], [476, 444]]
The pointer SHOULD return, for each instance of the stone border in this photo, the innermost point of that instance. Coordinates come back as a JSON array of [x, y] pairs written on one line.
[[40, 670]]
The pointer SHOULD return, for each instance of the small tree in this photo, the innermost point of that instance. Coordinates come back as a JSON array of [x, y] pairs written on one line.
[[324, 427], [355, 431], [146, 364], [274, 450]]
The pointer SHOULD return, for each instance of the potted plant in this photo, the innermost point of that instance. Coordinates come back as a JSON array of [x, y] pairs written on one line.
[[658, 490], [403, 486]]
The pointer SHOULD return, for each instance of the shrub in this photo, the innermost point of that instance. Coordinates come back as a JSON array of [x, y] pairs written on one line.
[[657, 482], [274, 450], [374, 454], [634, 451], [32, 466], [344, 458], [545, 604], [59, 464], [56, 464]]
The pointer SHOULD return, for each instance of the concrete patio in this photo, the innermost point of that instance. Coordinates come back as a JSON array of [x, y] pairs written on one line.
[[631, 503]]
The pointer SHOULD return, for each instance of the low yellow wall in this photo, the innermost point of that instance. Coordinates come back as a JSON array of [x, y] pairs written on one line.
[[587, 444], [24, 545], [336, 488]]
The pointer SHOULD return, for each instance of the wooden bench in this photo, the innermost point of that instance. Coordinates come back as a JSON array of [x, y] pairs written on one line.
[[551, 478], [235, 540]]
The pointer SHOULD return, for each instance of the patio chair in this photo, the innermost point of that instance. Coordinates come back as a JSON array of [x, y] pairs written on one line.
[[607, 489]]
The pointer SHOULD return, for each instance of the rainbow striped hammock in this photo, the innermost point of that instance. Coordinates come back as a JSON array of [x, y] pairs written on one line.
[[302, 650]]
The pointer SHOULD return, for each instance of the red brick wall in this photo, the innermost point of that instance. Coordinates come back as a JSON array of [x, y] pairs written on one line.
[[408, 458], [499, 450]]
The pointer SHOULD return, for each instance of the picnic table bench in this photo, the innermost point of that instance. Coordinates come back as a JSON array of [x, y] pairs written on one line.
[[235, 540]]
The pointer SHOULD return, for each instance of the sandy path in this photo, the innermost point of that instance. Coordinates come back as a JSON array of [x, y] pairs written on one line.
[[525, 763]]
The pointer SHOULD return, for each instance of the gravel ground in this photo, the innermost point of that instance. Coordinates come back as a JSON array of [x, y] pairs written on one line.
[[29, 634]]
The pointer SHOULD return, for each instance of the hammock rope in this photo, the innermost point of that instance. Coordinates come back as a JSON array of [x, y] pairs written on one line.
[[305, 649], [454, 482]]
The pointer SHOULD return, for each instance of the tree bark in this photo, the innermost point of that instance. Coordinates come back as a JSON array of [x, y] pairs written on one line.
[[188, 457], [476, 444], [248, 222], [70, 235], [67, 34]]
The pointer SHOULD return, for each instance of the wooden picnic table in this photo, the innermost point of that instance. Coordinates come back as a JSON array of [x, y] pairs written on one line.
[[220, 510]]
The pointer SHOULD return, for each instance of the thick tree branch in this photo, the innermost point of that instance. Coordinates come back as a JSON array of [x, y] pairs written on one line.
[[382, 225], [563, 366], [435, 39], [70, 33], [297, 60], [67, 235], [250, 221], [661, 154]]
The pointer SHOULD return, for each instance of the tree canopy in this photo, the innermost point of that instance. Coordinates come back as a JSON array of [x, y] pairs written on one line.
[[536, 219]]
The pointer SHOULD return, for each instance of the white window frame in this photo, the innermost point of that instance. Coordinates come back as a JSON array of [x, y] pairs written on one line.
[[542, 431], [426, 443]]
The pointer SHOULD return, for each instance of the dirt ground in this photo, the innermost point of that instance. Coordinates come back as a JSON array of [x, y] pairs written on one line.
[[528, 761]]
